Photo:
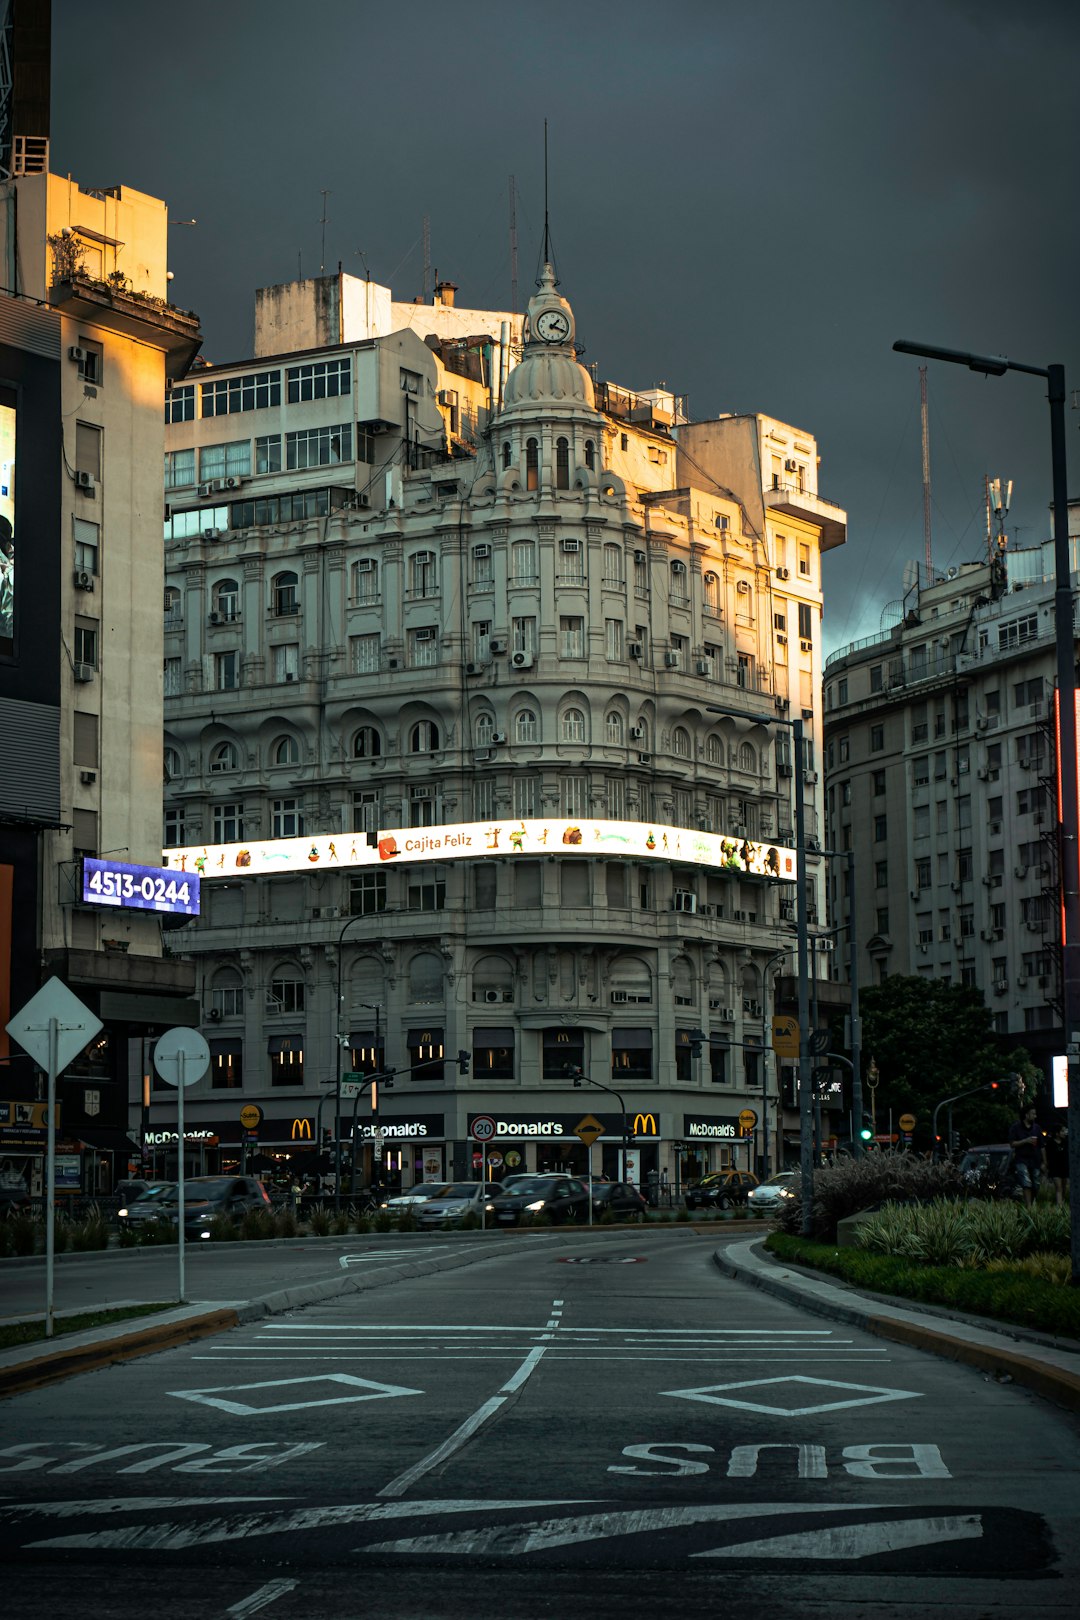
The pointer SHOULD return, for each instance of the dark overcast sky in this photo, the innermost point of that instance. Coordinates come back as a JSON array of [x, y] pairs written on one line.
[[748, 202]]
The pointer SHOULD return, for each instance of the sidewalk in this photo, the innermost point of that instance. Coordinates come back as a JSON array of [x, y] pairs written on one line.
[[1005, 1351]]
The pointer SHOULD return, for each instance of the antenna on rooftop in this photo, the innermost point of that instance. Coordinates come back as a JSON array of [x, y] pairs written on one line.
[[426, 288], [323, 222], [513, 249], [926, 474], [547, 256]]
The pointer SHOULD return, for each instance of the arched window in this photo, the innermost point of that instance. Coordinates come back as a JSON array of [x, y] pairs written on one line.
[[426, 978], [367, 743], [711, 584], [526, 728], [613, 565], [532, 464], [680, 742], [613, 728], [227, 599], [485, 729], [170, 763], [590, 455], [562, 464], [714, 749], [424, 737], [286, 990], [285, 594], [226, 995], [679, 591], [747, 757], [573, 726], [225, 756], [506, 454], [285, 751], [365, 580]]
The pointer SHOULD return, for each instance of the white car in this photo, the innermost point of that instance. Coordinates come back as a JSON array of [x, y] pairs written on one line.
[[770, 1197], [455, 1201], [416, 1195]]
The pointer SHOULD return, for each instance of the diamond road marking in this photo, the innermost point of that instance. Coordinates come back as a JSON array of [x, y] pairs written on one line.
[[869, 1395], [856, 1540], [363, 1389]]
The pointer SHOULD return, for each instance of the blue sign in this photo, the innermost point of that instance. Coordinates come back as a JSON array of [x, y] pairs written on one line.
[[139, 888]]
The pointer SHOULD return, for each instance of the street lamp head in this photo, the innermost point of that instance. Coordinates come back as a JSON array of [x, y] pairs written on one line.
[[991, 365]]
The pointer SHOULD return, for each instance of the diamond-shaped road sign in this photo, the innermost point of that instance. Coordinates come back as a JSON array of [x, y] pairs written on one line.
[[76, 1025], [588, 1129]]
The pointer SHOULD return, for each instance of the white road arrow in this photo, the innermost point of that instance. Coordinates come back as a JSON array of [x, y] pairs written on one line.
[[856, 1540]]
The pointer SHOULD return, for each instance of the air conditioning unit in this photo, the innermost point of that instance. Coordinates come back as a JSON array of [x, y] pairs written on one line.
[[743, 587], [393, 663], [492, 996], [1021, 979], [684, 900], [497, 644], [644, 759], [1000, 986], [1020, 871], [781, 638], [83, 672], [671, 660], [481, 551], [783, 573], [87, 778], [571, 545], [791, 466], [215, 618], [739, 916], [637, 733], [810, 778], [85, 481], [727, 1015], [83, 580], [987, 935], [618, 997], [215, 1015], [359, 500], [813, 844], [704, 666], [423, 635], [210, 534], [995, 826], [787, 910], [639, 556], [635, 649], [218, 485], [498, 738], [1024, 764], [474, 669], [783, 704], [806, 646], [751, 1008], [981, 722], [520, 660], [290, 674], [706, 911], [367, 566], [205, 489], [77, 354], [232, 483]]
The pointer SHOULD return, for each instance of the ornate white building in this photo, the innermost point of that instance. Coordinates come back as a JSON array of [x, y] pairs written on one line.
[[413, 583]]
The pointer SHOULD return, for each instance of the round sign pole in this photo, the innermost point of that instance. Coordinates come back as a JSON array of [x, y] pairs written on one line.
[[181, 1057], [483, 1186]]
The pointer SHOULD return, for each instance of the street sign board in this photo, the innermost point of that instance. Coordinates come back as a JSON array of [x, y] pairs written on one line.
[[353, 1088], [907, 1122], [251, 1116], [747, 1120], [483, 1128], [181, 1057], [819, 1042], [76, 1025], [588, 1129], [495, 1160], [785, 1037]]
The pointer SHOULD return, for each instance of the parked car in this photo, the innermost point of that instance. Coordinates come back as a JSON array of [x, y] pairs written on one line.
[[415, 1195], [204, 1198], [722, 1190], [620, 1198], [990, 1170], [769, 1196], [562, 1198], [457, 1200]]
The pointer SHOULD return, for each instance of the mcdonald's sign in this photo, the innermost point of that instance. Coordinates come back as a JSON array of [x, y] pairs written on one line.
[[645, 1125], [301, 1130]]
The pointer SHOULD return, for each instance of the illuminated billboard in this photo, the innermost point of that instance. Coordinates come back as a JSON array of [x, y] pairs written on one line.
[[139, 888], [7, 521], [472, 840]]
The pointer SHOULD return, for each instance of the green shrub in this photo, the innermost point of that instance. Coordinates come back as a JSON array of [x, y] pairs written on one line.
[[1051, 1268], [128, 1238], [319, 1221], [257, 1225], [285, 1224], [406, 1220], [157, 1231], [362, 1223], [223, 1229], [469, 1222], [61, 1234], [341, 1223], [383, 1221], [865, 1183], [92, 1232], [23, 1232], [964, 1232], [682, 1213]]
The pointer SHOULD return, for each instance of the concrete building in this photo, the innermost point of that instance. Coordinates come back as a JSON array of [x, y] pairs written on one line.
[[492, 664], [87, 342], [941, 766]]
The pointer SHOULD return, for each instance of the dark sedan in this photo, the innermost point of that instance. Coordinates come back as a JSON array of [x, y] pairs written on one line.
[[558, 1198], [722, 1190], [622, 1200], [204, 1198]]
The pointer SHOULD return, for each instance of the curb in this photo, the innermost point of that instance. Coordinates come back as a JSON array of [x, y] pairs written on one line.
[[1041, 1374]]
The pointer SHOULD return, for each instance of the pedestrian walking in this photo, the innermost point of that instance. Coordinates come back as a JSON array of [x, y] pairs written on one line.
[[1057, 1160], [1026, 1141]]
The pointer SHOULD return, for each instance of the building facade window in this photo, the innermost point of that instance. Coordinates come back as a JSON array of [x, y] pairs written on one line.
[[365, 654], [318, 447], [286, 818], [571, 637], [321, 379], [227, 395], [219, 461], [367, 743], [227, 823], [423, 647], [367, 894]]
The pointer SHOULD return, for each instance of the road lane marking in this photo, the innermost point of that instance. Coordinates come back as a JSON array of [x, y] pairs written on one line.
[[454, 1442], [362, 1389], [856, 1540], [870, 1395], [177, 1537], [260, 1598], [123, 1504], [541, 1535]]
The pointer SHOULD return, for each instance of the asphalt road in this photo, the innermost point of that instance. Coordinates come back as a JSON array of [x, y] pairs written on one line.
[[610, 1427]]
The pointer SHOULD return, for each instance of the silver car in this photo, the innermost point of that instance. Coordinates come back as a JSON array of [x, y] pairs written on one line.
[[416, 1195], [770, 1196], [456, 1201]]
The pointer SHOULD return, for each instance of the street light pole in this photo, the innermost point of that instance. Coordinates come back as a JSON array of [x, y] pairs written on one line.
[[581, 1078], [337, 1047], [996, 365]]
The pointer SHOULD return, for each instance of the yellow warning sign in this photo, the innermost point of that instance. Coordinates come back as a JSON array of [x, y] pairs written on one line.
[[588, 1129], [785, 1037]]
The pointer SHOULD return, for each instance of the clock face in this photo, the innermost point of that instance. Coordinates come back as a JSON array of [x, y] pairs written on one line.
[[553, 326]]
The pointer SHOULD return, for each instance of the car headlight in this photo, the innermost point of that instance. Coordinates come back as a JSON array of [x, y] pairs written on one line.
[[533, 1208], [122, 1214]]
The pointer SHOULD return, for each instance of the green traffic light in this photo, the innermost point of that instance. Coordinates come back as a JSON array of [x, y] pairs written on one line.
[[866, 1134]]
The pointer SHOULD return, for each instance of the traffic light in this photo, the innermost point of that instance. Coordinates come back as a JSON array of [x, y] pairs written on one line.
[[463, 1060], [866, 1132], [327, 1135], [954, 1141]]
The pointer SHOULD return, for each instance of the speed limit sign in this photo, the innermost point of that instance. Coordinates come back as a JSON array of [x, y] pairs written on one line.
[[482, 1128]]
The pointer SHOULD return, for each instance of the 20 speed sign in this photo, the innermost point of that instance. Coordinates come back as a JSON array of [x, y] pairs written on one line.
[[483, 1128]]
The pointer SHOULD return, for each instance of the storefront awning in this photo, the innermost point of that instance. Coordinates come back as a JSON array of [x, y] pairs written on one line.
[[483, 1036], [107, 1138], [629, 1038], [284, 1043], [226, 1045], [432, 1036]]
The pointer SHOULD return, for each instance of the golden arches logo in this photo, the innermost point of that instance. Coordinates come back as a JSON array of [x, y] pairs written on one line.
[[645, 1125], [301, 1130]]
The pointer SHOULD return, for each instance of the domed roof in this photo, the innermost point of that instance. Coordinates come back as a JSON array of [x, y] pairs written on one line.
[[550, 373]]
